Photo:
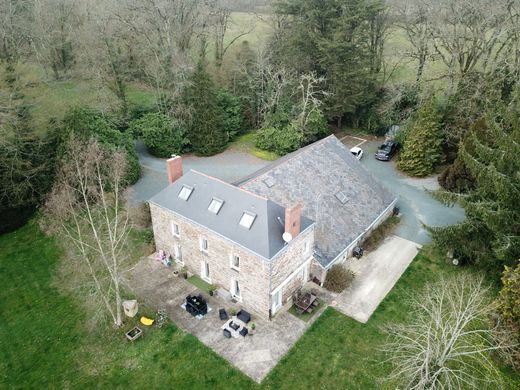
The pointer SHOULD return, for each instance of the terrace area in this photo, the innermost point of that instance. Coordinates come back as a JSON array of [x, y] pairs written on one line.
[[255, 354]]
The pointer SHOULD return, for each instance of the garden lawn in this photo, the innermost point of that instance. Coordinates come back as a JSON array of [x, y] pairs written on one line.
[[46, 344]]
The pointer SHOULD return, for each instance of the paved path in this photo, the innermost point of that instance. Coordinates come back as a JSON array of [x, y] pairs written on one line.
[[417, 206], [254, 355], [376, 274], [230, 165]]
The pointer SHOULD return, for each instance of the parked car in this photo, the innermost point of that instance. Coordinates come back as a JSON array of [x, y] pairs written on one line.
[[387, 150], [357, 152]]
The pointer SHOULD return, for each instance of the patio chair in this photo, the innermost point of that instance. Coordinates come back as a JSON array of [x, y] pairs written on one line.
[[223, 314], [244, 316], [226, 333], [244, 332]]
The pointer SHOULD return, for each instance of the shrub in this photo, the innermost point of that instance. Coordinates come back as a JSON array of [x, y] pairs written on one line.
[[279, 141], [87, 123], [233, 116], [315, 128], [338, 278], [422, 149], [161, 134]]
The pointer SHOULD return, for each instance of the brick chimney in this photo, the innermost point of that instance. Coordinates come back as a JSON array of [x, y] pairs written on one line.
[[174, 168], [293, 219]]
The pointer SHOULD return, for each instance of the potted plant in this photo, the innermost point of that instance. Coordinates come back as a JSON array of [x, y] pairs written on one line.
[[184, 271], [233, 312], [252, 329], [211, 291]]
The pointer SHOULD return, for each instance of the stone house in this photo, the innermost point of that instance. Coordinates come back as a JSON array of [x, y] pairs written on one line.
[[265, 236]]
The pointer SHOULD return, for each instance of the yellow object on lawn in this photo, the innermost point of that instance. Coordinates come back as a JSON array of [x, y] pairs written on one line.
[[146, 321]]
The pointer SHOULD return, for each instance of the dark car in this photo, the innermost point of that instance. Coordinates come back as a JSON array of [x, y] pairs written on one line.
[[387, 150]]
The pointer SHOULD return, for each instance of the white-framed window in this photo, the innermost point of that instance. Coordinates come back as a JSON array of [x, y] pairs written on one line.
[[185, 192], [178, 254], [277, 300], [235, 262], [247, 219], [215, 205], [306, 247], [203, 243], [235, 289], [204, 271], [176, 231]]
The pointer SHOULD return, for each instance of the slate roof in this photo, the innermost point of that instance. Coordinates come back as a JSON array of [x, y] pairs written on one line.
[[265, 235], [314, 176]]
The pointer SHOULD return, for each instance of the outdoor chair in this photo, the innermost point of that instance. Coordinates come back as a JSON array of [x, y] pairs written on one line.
[[244, 332], [244, 316], [227, 333], [223, 314]]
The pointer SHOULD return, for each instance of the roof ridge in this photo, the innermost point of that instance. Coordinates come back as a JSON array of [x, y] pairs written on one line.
[[297, 153], [228, 184]]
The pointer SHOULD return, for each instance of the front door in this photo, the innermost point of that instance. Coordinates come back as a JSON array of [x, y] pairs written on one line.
[[277, 300]]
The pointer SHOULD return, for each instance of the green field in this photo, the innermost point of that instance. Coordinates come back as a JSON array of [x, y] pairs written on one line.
[[46, 342]]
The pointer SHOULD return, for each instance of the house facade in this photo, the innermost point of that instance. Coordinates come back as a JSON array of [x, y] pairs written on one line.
[[262, 238]]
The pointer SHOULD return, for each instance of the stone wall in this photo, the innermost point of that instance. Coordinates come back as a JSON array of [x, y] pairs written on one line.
[[284, 265], [253, 273]]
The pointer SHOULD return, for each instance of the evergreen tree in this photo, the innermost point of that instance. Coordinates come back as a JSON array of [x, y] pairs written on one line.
[[331, 38], [205, 120], [508, 305], [422, 148], [490, 234]]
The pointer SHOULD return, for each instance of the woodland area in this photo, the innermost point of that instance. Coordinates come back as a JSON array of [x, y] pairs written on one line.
[[191, 76]]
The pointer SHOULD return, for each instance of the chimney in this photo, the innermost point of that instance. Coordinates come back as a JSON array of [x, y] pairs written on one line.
[[174, 168], [293, 219]]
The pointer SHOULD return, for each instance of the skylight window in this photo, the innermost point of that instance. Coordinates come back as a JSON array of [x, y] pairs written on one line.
[[269, 182], [185, 192], [247, 219], [215, 205], [342, 197]]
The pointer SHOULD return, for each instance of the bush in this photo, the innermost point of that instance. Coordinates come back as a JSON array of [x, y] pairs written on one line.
[[422, 149], [161, 135], [338, 278], [316, 127], [233, 116], [279, 141], [87, 123]]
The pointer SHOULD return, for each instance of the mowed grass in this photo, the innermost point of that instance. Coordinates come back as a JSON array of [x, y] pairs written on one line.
[[246, 143], [46, 344]]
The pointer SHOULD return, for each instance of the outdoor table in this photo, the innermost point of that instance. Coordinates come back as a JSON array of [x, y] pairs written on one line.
[[305, 302]]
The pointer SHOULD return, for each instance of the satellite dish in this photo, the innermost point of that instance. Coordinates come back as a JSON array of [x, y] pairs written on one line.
[[287, 236]]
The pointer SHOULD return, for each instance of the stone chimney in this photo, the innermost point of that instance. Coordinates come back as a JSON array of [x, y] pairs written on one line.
[[174, 168], [293, 219]]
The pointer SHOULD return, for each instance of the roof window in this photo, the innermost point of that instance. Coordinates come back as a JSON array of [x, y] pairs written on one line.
[[185, 192], [342, 197], [269, 182], [247, 219], [215, 205]]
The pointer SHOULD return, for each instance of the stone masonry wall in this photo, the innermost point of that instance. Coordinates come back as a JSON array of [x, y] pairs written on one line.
[[253, 274], [286, 263]]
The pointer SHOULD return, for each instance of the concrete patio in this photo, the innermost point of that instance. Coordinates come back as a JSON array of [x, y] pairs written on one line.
[[376, 274], [254, 355]]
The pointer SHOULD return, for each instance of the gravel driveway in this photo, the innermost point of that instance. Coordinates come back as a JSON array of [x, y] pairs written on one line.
[[415, 203], [229, 166]]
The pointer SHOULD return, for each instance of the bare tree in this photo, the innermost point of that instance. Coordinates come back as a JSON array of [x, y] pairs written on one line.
[[412, 18], [87, 209], [310, 86], [15, 20], [448, 341], [221, 18]]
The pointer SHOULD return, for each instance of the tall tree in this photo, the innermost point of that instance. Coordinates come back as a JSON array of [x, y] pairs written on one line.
[[333, 38], [203, 116], [422, 149], [490, 234], [86, 208]]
